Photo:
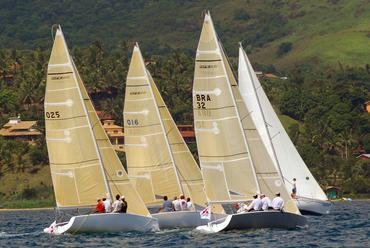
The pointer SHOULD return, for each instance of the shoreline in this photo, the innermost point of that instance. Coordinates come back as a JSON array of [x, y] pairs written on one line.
[[25, 209], [52, 208]]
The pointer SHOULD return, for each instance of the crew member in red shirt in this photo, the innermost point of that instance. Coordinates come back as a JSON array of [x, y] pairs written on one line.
[[99, 207]]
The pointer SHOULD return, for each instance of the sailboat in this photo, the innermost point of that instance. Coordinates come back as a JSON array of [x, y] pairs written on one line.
[[83, 163], [310, 197], [158, 160], [234, 161]]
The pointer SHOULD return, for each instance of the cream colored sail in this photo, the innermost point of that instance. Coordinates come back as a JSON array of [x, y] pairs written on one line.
[[280, 147], [115, 174], [187, 169], [96, 170], [224, 157], [228, 142], [149, 159], [75, 164]]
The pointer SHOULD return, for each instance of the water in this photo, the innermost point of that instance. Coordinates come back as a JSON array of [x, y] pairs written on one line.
[[347, 226]]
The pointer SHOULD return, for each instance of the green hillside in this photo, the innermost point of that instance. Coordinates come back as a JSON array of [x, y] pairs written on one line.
[[319, 31], [324, 33], [322, 46]]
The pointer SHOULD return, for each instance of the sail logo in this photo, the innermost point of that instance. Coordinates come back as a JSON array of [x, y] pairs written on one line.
[[137, 93], [207, 66]]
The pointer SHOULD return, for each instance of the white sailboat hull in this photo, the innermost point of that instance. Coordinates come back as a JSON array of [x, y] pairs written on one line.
[[258, 219], [313, 206], [108, 222], [183, 219]]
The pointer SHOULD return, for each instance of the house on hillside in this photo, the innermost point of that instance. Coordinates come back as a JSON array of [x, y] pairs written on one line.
[[18, 129], [364, 156], [367, 106], [187, 132], [115, 134]]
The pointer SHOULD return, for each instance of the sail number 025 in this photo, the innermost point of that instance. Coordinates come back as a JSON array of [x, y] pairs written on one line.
[[52, 114], [132, 122]]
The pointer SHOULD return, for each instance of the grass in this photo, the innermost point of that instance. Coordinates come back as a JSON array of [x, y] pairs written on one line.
[[27, 190], [31, 203]]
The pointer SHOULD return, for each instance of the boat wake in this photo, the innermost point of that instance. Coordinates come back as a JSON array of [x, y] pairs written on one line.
[[166, 231], [204, 229]]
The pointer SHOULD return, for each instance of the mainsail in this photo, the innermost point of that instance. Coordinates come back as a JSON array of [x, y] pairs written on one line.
[[83, 163], [158, 158], [234, 161], [280, 147]]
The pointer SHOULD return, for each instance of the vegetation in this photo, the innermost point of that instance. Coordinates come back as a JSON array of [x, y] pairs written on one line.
[[319, 49]]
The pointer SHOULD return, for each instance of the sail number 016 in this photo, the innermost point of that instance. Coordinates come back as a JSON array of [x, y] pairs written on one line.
[[132, 122], [52, 114]]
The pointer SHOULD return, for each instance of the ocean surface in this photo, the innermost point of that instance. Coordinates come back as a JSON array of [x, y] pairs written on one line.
[[348, 225]]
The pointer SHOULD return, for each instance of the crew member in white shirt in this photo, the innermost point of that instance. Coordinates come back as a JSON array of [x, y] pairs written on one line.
[[183, 204], [117, 204], [278, 202], [266, 202], [189, 205], [255, 205], [107, 205], [176, 204]]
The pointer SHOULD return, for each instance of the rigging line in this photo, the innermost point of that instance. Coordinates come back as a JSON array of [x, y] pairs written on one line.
[[227, 58], [111, 179], [187, 183]]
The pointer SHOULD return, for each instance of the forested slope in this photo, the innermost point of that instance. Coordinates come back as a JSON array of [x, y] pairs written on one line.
[[321, 47]]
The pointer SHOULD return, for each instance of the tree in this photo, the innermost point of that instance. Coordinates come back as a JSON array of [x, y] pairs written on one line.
[[284, 48]]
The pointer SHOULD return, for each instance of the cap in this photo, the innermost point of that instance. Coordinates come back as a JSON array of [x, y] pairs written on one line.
[[122, 197]]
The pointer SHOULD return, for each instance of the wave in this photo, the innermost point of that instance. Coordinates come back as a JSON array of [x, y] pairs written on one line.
[[12, 235]]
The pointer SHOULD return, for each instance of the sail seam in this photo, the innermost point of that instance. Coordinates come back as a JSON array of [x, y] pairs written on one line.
[[59, 73]]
